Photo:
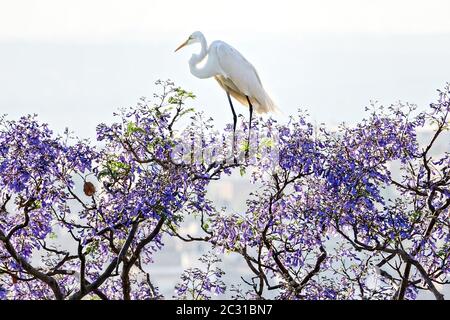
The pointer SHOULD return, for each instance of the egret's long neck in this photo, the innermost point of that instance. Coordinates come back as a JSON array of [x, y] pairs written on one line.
[[197, 58]]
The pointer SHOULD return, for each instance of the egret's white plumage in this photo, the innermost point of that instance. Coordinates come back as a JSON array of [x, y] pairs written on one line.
[[232, 71]]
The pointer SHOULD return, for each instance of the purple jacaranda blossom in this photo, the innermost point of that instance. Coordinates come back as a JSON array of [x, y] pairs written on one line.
[[355, 212], [3, 293], [201, 284]]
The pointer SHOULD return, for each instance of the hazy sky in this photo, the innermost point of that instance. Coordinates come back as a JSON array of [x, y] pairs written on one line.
[[75, 62], [118, 20]]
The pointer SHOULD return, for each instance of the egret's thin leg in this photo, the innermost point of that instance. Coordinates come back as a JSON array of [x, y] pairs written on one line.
[[250, 124], [234, 122], [234, 113]]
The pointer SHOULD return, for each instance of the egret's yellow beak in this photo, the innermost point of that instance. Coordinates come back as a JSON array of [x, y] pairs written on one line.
[[182, 45]]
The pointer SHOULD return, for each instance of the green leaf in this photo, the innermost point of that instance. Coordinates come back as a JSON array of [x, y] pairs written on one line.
[[37, 204], [245, 146], [267, 142], [52, 235], [132, 128], [186, 111], [114, 169], [90, 248]]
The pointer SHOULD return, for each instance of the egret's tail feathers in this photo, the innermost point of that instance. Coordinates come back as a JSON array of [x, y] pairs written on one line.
[[273, 108], [268, 106]]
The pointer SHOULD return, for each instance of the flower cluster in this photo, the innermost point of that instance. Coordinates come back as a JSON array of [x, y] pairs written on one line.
[[198, 284], [94, 215], [357, 212], [342, 188]]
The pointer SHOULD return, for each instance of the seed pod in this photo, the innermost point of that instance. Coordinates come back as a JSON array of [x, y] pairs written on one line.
[[89, 189]]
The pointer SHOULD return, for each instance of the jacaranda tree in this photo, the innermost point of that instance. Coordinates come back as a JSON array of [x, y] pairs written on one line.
[[357, 212]]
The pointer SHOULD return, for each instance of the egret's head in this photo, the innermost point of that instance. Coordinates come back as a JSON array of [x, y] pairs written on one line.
[[193, 38]]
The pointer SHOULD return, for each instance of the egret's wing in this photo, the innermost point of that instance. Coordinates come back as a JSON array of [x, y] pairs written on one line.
[[231, 88], [235, 67], [242, 75]]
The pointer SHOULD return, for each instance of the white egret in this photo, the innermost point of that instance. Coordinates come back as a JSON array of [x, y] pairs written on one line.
[[233, 72]]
